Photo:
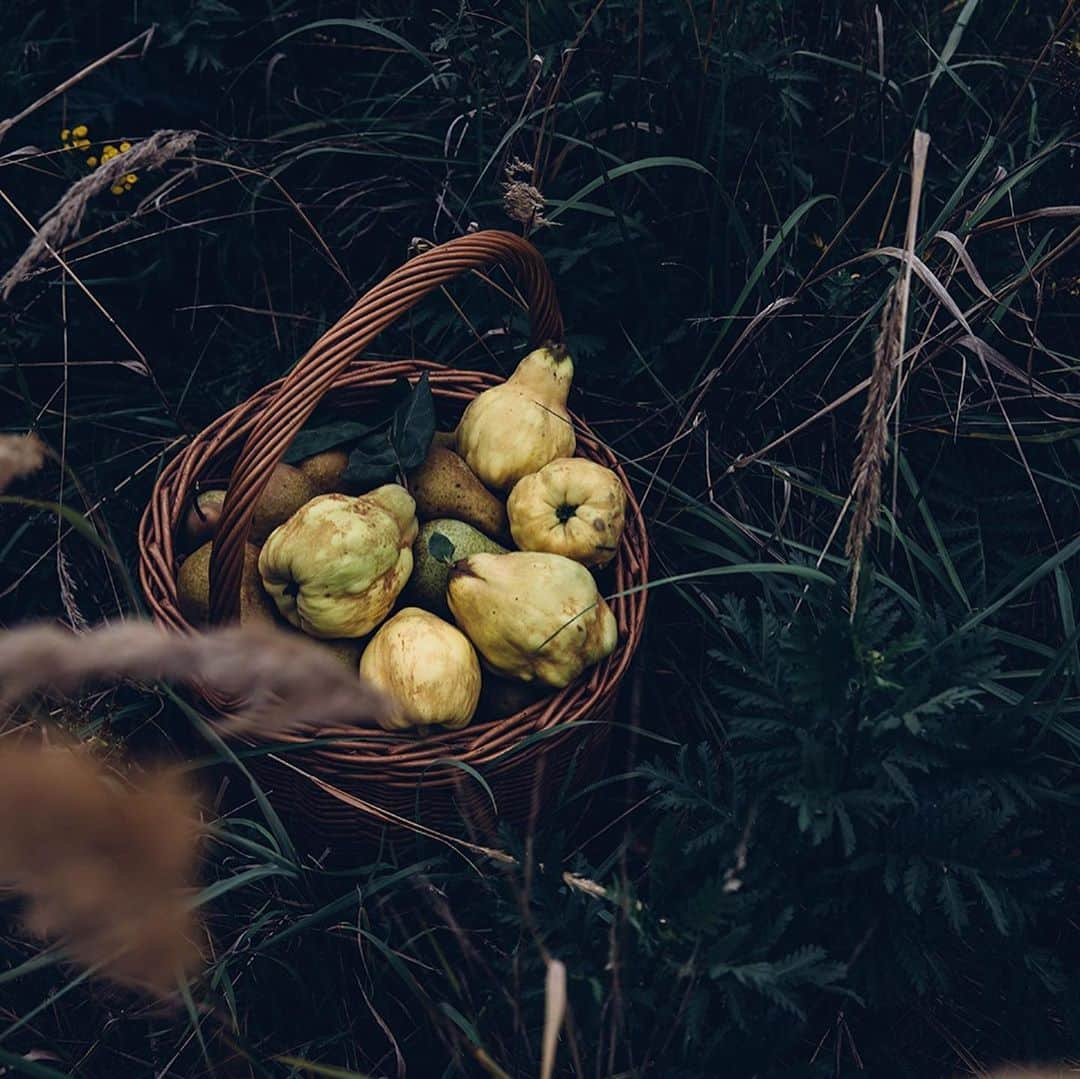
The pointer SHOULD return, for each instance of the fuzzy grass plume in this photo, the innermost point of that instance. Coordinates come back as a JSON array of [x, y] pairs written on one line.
[[20, 455], [284, 681], [64, 219], [103, 869], [106, 870]]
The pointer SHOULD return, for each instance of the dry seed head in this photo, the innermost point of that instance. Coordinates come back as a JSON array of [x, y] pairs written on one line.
[[65, 218], [104, 869], [20, 455], [281, 680], [522, 201]]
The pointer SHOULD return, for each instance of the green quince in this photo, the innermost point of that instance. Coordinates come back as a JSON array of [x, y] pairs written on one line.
[[336, 566]]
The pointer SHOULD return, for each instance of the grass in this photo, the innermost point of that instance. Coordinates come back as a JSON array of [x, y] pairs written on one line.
[[823, 843]]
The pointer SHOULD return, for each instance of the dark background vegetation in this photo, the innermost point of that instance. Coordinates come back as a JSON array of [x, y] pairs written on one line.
[[839, 844]]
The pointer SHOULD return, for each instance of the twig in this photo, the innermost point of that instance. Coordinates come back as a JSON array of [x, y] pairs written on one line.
[[56, 91]]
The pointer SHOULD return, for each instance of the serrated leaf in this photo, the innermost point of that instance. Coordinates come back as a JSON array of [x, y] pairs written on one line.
[[993, 903], [413, 425], [901, 781], [915, 878], [440, 548], [847, 829]]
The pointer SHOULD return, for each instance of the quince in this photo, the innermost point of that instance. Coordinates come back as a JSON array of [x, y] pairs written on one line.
[[532, 615], [426, 667], [335, 567], [571, 507], [514, 429]]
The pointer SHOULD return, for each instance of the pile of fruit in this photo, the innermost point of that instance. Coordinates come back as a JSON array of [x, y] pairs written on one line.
[[497, 600]]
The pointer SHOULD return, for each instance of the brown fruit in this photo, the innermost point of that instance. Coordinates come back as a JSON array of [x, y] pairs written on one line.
[[193, 588], [444, 486], [201, 520], [447, 440], [347, 649], [325, 470], [286, 492]]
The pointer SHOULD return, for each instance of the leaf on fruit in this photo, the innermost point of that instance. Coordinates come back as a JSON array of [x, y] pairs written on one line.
[[326, 437], [372, 463], [328, 431], [440, 548], [397, 440]]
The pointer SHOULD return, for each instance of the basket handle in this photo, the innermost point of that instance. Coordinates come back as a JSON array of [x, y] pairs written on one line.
[[317, 370]]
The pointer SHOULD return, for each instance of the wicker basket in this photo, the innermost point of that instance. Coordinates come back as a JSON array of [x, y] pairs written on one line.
[[352, 788]]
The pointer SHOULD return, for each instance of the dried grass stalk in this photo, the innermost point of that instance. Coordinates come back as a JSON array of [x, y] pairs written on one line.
[[285, 681], [65, 218], [104, 869], [873, 435], [888, 353], [20, 455], [554, 1015]]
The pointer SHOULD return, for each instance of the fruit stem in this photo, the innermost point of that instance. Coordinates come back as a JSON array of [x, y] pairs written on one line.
[[558, 350]]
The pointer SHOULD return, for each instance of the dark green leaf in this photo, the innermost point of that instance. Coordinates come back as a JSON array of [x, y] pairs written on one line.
[[440, 548], [330, 430], [413, 425], [372, 463], [326, 437], [952, 901]]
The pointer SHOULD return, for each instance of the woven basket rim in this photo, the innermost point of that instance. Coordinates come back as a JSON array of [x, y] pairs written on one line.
[[408, 753]]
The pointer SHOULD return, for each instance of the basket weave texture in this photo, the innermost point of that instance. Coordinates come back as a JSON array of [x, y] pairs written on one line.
[[363, 780]]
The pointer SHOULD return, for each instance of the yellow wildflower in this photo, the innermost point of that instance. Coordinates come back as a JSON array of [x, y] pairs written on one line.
[[65, 135], [117, 189], [130, 179], [108, 152], [92, 162], [124, 147], [80, 131]]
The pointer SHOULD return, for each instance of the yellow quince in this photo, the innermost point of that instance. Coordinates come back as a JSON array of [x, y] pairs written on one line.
[[571, 507], [532, 615], [514, 429], [426, 667], [335, 567]]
